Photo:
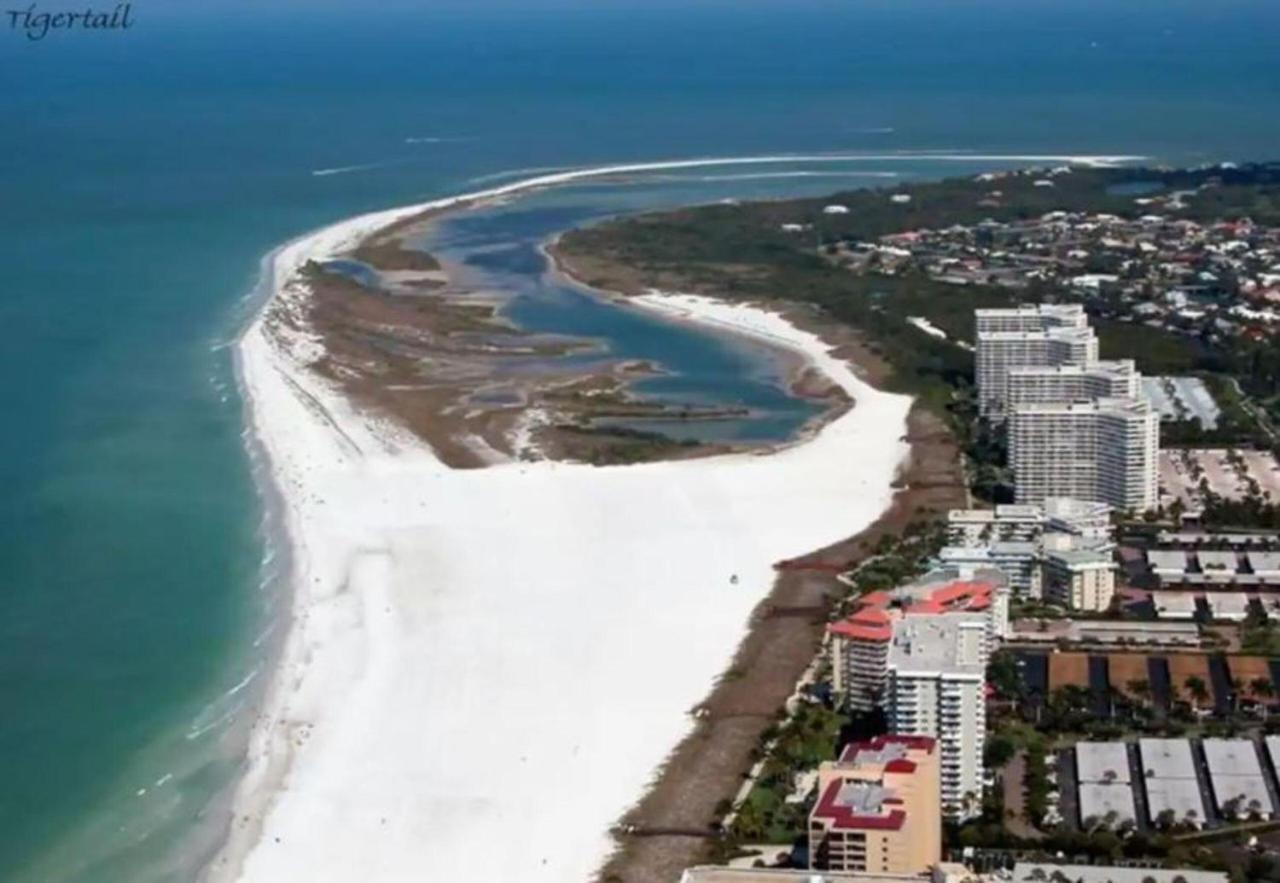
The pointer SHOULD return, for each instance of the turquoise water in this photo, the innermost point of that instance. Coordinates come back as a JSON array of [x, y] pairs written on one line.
[[143, 175]]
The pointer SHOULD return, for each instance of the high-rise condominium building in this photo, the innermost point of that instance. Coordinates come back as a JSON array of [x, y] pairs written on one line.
[[860, 643], [1043, 336], [1106, 450], [920, 652], [1026, 386], [1038, 317], [936, 687]]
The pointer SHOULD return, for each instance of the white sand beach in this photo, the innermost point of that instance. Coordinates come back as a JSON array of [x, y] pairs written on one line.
[[485, 668]]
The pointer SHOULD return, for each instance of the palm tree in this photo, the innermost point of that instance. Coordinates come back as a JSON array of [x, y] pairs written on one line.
[[1139, 688], [1198, 689]]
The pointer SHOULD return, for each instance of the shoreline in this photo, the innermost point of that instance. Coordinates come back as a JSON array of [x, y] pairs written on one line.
[[800, 376], [342, 446], [782, 638]]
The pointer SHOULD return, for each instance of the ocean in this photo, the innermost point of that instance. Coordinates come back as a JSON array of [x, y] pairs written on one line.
[[144, 174]]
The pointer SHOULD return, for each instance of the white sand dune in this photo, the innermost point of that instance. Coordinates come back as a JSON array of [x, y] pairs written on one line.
[[485, 667]]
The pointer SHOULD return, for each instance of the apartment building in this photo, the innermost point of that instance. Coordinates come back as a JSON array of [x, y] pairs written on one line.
[[1037, 317], [937, 687], [1010, 522], [1084, 519], [1079, 578], [878, 808], [1004, 523], [860, 653], [859, 644], [1106, 451], [1043, 336], [920, 652], [1019, 561], [1077, 382]]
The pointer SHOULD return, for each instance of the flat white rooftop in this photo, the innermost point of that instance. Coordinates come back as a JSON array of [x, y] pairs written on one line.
[[1228, 605], [1236, 776], [1100, 802], [1174, 605], [1102, 762], [1027, 872], [1178, 796], [1218, 563], [1264, 563], [1166, 759], [1067, 508], [1273, 750], [950, 644], [1167, 560], [1232, 757], [1003, 512]]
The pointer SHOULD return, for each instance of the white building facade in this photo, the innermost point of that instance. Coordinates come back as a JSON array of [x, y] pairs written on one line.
[[1080, 579], [1040, 336], [1080, 382], [936, 687], [1106, 451]]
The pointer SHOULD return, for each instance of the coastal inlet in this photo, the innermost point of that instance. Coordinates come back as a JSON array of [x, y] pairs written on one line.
[[456, 326]]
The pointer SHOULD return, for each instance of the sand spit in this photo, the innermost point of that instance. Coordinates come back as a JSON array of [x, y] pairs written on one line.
[[485, 667]]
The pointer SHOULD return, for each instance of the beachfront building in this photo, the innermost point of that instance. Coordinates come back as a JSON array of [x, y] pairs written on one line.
[[920, 653], [1042, 336], [1042, 385], [1078, 427], [1004, 523], [859, 643], [860, 655], [1106, 450], [1010, 522], [878, 808], [1018, 541], [1019, 561], [1078, 577], [936, 687]]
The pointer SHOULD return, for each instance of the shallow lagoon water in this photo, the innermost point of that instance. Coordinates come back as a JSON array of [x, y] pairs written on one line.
[[499, 251]]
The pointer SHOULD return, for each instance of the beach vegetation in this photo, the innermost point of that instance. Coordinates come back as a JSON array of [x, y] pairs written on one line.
[[774, 811]]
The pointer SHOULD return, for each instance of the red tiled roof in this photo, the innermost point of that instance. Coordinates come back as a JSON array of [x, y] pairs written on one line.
[[920, 743], [869, 622], [845, 818], [866, 624], [974, 594], [863, 632]]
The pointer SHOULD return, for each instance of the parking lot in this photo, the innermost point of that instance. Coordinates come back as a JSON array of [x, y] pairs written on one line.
[[1226, 472]]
